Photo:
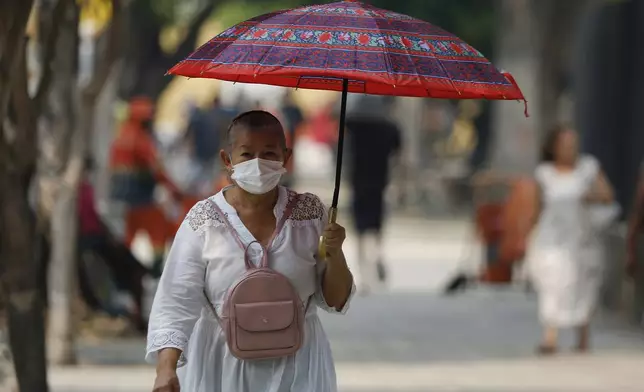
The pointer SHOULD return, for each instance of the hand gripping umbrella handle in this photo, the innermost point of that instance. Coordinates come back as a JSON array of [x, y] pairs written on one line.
[[333, 215]]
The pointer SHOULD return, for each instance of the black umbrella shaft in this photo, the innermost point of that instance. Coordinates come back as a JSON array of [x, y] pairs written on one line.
[[338, 163]]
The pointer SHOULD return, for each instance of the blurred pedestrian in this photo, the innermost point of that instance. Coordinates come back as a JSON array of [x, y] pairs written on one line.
[[136, 169], [373, 140], [634, 246], [292, 120], [502, 225], [96, 238], [207, 129], [564, 257], [635, 228], [253, 221]]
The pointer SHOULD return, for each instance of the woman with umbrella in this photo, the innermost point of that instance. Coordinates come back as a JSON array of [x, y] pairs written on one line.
[[345, 46], [205, 259]]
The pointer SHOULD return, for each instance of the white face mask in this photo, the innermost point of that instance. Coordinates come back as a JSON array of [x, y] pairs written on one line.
[[258, 176]]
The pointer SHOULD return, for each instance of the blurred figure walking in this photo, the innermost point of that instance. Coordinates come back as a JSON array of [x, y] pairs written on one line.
[[634, 246], [95, 238], [292, 119], [573, 201], [135, 172], [372, 140]]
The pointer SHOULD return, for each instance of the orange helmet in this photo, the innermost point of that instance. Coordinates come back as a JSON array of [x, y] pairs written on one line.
[[141, 109]]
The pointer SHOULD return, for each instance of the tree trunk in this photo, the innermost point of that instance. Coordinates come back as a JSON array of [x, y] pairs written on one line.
[[145, 61], [22, 284], [74, 109], [556, 24], [8, 381], [64, 233], [62, 280], [534, 45], [409, 115], [515, 137], [13, 21], [64, 104]]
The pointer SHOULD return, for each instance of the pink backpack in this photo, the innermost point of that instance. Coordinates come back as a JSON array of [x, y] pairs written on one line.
[[262, 316]]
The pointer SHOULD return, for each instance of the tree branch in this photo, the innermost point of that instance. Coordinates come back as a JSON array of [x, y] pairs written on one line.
[[189, 42], [49, 52], [109, 56], [13, 22], [25, 118]]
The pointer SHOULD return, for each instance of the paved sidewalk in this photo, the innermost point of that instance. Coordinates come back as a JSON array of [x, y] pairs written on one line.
[[610, 372], [413, 342]]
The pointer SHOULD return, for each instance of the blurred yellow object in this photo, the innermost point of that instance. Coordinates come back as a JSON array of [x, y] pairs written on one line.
[[463, 138], [98, 13]]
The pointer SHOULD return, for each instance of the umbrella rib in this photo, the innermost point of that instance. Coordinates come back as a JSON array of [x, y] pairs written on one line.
[[385, 52], [446, 74]]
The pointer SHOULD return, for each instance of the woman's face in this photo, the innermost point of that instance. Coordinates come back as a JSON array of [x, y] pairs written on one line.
[[567, 147], [264, 144]]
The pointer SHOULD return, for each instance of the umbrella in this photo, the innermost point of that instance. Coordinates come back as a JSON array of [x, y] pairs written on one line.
[[354, 47]]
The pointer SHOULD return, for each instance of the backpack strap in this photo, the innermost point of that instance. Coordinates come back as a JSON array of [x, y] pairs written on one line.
[[229, 226], [288, 210]]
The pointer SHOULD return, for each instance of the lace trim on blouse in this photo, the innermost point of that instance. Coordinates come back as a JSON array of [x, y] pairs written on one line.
[[169, 339], [309, 210], [202, 216]]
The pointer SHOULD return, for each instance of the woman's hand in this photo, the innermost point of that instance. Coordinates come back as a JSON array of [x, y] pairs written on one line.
[[166, 381], [335, 236], [601, 190], [337, 281]]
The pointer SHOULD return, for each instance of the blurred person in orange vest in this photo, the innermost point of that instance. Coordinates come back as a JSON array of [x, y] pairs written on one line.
[[324, 126], [94, 237], [135, 172]]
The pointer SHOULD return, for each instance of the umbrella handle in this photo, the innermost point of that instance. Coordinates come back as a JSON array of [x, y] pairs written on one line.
[[333, 215]]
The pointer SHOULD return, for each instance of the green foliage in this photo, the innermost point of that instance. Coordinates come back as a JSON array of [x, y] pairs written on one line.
[[166, 12], [232, 12]]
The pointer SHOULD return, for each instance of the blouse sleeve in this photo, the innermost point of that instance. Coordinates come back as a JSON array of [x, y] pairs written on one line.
[[319, 299], [177, 304]]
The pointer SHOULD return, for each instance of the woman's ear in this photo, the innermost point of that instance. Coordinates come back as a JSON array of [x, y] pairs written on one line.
[[288, 154], [226, 159]]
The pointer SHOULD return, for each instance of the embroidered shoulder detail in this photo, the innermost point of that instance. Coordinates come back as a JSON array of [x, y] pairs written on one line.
[[204, 215], [309, 207]]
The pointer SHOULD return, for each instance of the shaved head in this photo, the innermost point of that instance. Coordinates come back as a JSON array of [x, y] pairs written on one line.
[[255, 121]]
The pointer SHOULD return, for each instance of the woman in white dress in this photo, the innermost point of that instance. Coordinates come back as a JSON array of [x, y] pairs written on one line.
[[184, 337], [564, 255]]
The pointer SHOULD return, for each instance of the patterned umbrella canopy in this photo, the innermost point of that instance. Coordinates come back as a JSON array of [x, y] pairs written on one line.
[[378, 51]]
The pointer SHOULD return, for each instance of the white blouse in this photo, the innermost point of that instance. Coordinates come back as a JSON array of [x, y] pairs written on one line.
[[204, 254]]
